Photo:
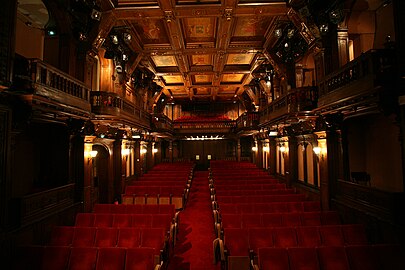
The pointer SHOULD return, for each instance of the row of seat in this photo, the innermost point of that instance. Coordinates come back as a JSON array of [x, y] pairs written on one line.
[[124, 220], [249, 185], [178, 200], [272, 207], [79, 258], [269, 220], [135, 208], [357, 257], [156, 238]]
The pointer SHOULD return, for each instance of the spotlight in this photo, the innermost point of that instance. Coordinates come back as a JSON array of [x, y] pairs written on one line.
[[95, 15], [118, 68], [127, 37], [278, 33], [51, 32], [114, 39], [124, 57], [324, 28]]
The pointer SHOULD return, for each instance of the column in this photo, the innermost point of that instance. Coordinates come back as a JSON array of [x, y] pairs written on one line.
[[273, 153], [171, 151], [88, 186], [119, 175], [292, 163], [343, 45], [238, 153]]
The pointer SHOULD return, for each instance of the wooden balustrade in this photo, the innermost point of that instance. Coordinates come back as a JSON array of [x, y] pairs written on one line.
[[297, 100], [111, 104], [357, 77], [162, 123], [248, 120], [41, 204]]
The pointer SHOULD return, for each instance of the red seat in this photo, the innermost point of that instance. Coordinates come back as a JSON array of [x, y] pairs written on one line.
[[55, 258], [142, 220], [139, 259], [272, 220], [151, 209], [333, 258], [260, 237], [62, 236], [284, 237], [122, 221], [82, 258], [291, 219], [111, 258], [129, 237], [103, 220], [236, 242], [251, 220], [331, 235], [354, 234], [102, 208], [303, 258], [119, 208], [161, 221], [311, 206], [361, 257], [154, 238], [106, 237], [273, 259], [311, 219], [295, 207], [84, 220], [231, 221], [84, 236], [330, 218], [308, 236]]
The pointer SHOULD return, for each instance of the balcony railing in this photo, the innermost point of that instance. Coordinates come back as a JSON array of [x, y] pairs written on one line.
[[57, 86], [360, 75], [111, 104], [297, 100], [38, 205], [248, 120], [209, 123], [162, 123]]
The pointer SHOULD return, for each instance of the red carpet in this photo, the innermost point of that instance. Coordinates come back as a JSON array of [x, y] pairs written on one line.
[[193, 249]]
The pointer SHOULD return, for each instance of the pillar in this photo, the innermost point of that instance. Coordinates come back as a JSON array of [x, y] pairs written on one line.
[[171, 151], [119, 175], [238, 152], [8, 13], [273, 153], [291, 171], [343, 45], [88, 187]]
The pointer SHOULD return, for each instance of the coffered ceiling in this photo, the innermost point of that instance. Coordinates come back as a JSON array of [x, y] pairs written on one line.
[[202, 50]]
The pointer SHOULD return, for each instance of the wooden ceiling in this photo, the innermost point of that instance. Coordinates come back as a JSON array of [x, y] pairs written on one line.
[[202, 50]]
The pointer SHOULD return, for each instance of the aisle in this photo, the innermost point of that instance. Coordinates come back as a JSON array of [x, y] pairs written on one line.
[[193, 250]]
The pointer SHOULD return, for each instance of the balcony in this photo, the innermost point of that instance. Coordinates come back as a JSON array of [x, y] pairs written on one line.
[[358, 82], [192, 125], [161, 124], [299, 100], [52, 91], [247, 121], [110, 106]]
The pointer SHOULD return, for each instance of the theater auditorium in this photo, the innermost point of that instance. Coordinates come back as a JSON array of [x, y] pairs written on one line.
[[202, 134]]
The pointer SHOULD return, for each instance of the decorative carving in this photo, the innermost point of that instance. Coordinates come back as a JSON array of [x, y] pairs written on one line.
[[228, 14], [169, 16]]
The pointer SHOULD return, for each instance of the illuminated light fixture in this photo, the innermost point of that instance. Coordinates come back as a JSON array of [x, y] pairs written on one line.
[[324, 28], [125, 151], [254, 149], [93, 154], [278, 32], [51, 32], [317, 150], [124, 57], [155, 150], [114, 39], [144, 151], [273, 133], [266, 149], [283, 149], [127, 37], [95, 14]]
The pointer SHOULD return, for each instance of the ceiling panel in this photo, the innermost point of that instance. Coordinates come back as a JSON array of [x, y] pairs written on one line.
[[151, 31]]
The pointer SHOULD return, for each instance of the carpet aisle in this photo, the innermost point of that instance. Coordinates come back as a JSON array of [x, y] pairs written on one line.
[[193, 249]]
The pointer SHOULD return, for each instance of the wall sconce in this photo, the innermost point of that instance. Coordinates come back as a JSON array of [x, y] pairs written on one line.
[[283, 149], [155, 150], [317, 150], [143, 151], [125, 151], [266, 149], [254, 149], [90, 155]]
